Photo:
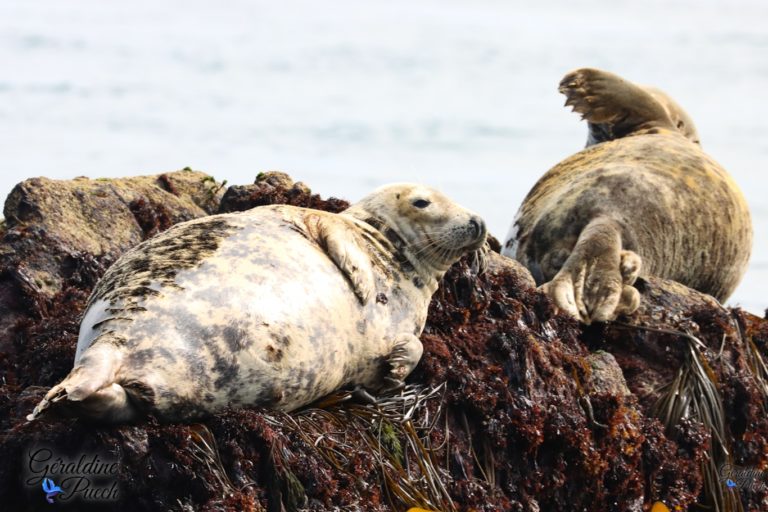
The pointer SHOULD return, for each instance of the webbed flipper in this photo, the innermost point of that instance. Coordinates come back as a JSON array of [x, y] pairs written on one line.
[[613, 106], [348, 256], [90, 390], [595, 282]]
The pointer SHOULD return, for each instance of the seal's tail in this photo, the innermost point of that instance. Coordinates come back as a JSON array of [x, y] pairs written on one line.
[[90, 390]]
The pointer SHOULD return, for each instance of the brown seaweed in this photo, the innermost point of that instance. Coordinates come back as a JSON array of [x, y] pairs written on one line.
[[513, 406]]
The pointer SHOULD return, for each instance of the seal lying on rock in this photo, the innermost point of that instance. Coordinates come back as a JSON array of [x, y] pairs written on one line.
[[275, 306], [641, 198]]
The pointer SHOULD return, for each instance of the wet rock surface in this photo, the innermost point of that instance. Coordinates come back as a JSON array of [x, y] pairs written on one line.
[[513, 406]]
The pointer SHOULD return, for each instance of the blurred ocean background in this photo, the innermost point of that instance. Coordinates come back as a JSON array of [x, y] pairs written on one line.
[[348, 95]]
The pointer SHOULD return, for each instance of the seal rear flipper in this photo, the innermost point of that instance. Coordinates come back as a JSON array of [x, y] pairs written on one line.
[[90, 390], [613, 106], [110, 404]]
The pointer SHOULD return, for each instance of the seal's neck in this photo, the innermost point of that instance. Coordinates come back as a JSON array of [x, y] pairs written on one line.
[[407, 251]]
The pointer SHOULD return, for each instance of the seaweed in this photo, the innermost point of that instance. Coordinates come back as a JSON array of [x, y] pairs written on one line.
[[512, 407]]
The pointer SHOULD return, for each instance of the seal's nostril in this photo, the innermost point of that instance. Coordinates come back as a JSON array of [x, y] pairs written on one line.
[[478, 226]]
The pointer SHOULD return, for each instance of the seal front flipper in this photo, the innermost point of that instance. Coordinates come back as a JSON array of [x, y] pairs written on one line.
[[345, 252], [399, 363], [613, 106], [405, 355], [594, 284]]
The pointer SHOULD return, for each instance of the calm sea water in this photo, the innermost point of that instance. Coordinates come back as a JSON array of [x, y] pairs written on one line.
[[349, 95]]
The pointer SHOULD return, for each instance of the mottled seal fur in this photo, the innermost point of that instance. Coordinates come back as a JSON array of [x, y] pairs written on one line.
[[275, 306], [641, 199]]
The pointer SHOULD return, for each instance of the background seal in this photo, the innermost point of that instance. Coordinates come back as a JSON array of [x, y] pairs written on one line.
[[641, 199]]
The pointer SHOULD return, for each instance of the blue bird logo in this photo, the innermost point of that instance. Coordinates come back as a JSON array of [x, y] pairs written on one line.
[[51, 489], [730, 483]]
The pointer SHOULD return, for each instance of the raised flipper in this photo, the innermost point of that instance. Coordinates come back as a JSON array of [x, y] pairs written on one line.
[[613, 106], [345, 252], [90, 390], [595, 282]]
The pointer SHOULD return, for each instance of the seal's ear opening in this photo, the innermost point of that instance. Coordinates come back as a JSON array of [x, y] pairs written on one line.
[[682, 121]]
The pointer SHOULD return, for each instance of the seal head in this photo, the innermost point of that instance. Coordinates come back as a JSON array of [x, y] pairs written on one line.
[[424, 223]]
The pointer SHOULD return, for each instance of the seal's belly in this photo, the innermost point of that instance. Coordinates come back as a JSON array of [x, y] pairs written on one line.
[[267, 319]]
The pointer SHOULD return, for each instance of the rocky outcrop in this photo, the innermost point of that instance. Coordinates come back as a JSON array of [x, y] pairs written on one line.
[[64, 234], [513, 406]]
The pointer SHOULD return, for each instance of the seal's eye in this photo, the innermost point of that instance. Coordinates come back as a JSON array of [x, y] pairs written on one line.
[[421, 203]]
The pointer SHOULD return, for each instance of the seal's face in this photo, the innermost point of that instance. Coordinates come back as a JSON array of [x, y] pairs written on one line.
[[679, 117], [433, 227]]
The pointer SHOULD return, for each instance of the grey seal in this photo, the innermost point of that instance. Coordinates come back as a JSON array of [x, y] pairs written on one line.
[[276, 306], [641, 199]]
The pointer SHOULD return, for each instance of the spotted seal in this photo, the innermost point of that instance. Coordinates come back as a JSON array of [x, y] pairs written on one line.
[[641, 199], [275, 306]]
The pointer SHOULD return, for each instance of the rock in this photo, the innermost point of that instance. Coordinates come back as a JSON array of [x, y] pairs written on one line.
[[513, 406], [277, 179], [107, 216], [499, 265], [59, 236], [605, 375]]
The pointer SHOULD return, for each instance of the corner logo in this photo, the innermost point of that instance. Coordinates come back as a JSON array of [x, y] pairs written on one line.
[[50, 489], [738, 477], [86, 476]]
